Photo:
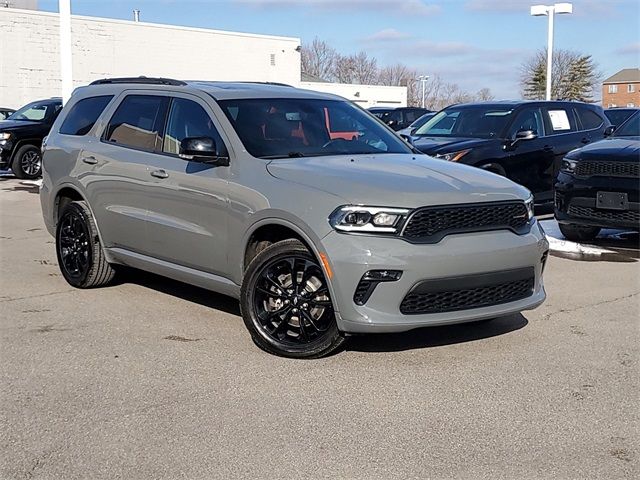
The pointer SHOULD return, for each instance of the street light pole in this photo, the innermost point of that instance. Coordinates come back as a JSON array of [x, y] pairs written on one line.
[[423, 80], [66, 66], [550, 11]]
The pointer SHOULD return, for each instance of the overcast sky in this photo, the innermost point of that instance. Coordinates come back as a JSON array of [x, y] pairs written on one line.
[[475, 43]]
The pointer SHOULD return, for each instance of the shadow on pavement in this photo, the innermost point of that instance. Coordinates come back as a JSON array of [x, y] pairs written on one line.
[[177, 289], [436, 336]]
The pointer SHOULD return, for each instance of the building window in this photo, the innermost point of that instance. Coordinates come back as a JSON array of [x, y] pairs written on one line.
[[613, 88], [631, 88]]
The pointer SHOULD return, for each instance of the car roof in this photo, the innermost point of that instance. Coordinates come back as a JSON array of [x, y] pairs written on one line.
[[218, 90], [517, 103]]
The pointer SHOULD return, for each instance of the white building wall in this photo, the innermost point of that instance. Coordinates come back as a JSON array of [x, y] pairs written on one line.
[[364, 95], [30, 63]]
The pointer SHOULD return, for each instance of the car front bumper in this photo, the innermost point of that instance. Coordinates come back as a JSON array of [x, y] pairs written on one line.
[[455, 256], [6, 147], [575, 201]]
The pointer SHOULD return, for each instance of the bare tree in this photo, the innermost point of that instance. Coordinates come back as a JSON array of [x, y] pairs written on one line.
[[318, 59], [343, 69], [365, 68], [484, 94]]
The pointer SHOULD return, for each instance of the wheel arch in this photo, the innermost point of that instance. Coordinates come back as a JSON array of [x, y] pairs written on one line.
[[273, 230], [36, 142]]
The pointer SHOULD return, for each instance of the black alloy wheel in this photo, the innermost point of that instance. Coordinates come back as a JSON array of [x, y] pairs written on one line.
[[80, 256], [286, 303], [73, 244]]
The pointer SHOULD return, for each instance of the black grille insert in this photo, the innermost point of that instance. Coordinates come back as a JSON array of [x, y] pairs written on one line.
[[626, 216], [431, 224], [608, 169], [464, 293]]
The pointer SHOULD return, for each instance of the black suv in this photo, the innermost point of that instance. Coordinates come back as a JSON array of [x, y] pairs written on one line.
[[524, 141], [599, 185], [398, 118], [21, 137]]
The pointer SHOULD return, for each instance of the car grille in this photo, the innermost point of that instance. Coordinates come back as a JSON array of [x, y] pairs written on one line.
[[430, 224], [465, 299], [626, 216], [608, 169]]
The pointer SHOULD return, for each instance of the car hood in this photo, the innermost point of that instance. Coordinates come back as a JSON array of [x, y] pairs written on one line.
[[11, 124], [433, 145], [614, 148], [400, 180]]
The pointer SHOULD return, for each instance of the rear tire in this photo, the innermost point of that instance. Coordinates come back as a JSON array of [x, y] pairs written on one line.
[[80, 256], [579, 233], [286, 304], [27, 162]]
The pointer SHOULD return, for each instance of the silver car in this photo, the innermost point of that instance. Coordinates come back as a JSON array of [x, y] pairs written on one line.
[[311, 212]]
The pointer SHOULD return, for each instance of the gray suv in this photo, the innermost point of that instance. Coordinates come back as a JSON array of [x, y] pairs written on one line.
[[306, 208]]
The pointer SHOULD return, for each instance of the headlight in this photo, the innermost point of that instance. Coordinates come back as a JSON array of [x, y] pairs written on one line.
[[568, 166], [530, 208], [5, 136], [354, 218], [453, 156]]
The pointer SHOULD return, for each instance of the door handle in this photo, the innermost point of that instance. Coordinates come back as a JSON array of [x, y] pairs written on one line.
[[159, 174], [91, 160], [585, 140], [547, 148]]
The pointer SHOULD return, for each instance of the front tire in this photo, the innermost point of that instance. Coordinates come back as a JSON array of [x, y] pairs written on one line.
[[579, 233], [286, 303], [27, 163], [80, 255]]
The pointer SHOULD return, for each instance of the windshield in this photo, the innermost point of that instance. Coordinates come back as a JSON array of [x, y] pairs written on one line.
[[631, 128], [35, 112], [422, 120], [301, 127], [476, 122]]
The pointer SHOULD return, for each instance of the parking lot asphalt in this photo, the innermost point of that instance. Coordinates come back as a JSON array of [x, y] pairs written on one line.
[[150, 378]]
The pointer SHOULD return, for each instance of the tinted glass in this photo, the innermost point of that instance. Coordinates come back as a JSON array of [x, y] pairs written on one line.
[[527, 119], [475, 122], [37, 111], [561, 121], [137, 122], [187, 119], [630, 128], [411, 115], [618, 117], [83, 115], [590, 120], [282, 127], [422, 120]]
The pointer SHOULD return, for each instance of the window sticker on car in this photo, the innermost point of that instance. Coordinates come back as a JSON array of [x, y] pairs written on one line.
[[559, 120]]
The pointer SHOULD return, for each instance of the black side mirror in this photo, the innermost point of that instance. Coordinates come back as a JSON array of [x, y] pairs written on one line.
[[203, 150], [609, 130], [407, 138], [521, 136]]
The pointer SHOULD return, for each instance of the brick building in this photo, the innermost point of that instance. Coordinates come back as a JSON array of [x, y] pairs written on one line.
[[622, 89]]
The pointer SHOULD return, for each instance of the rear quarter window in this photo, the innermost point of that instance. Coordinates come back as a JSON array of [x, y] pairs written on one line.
[[590, 120], [83, 115]]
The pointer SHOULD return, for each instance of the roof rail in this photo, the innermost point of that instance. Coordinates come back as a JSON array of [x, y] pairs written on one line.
[[143, 80]]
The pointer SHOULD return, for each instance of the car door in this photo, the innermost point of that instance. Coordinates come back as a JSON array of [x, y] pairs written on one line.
[[530, 161], [188, 208], [114, 169], [563, 132]]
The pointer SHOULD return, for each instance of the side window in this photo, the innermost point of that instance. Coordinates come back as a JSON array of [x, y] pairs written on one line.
[[527, 119], [411, 116], [561, 120], [188, 119], [83, 115], [137, 122], [589, 119]]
